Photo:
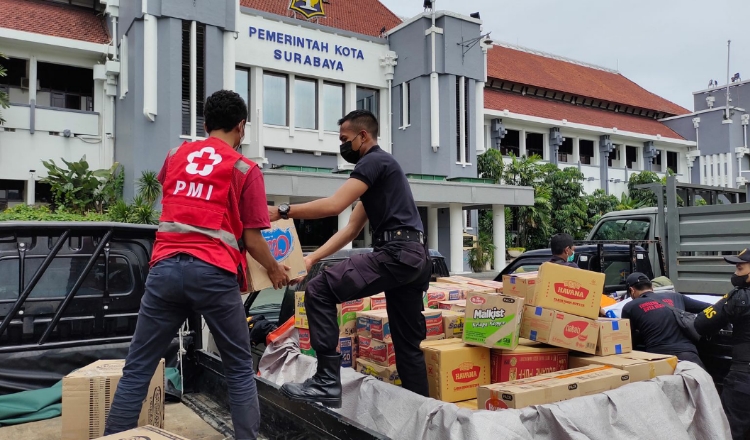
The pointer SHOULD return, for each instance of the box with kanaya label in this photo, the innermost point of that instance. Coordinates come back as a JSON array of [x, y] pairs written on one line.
[[614, 337], [374, 324], [492, 320], [144, 433], [377, 302], [569, 290], [560, 329], [87, 396], [529, 359], [455, 370], [285, 248], [640, 365]]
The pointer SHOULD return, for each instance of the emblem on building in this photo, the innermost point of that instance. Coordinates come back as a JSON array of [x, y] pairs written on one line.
[[308, 8]]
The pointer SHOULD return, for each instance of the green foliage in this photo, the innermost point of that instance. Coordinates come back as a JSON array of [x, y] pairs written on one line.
[[141, 210], [482, 253], [149, 187], [490, 165], [43, 213], [4, 100], [569, 213], [597, 204], [627, 203], [644, 197], [75, 188], [113, 182]]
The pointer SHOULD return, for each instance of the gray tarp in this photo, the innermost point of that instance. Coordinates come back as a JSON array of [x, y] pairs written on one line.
[[682, 406]]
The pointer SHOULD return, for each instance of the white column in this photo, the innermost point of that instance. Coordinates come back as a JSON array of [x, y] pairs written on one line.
[[714, 171], [479, 120], [432, 228], [229, 60], [576, 150], [368, 235], [498, 236], [350, 97], [31, 190], [253, 146], [343, 221], [729, 175], [291, 100], [384, 117], [702, 168], [150, 67], [32, 79], [522, 142], [457, 238]]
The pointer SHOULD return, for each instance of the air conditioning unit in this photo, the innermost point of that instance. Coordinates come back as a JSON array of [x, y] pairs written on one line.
[[25, 84]]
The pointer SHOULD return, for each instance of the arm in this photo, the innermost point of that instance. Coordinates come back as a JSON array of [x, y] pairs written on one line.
[[349, 192], [343, 236], [693, 305], [713, 318]]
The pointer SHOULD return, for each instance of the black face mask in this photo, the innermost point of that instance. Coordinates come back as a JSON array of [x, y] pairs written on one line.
[[739, 280], [348, 154]]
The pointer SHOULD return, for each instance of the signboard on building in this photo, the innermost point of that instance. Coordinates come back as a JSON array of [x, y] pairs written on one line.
[[308, 8]]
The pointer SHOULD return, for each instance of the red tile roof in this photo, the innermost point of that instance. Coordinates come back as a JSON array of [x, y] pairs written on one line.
[[57, 20], [361, 16], [544, 108], [540, 71]]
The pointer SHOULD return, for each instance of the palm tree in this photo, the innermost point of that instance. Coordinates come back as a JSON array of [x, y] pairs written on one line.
[[149, 187], [627, 203]]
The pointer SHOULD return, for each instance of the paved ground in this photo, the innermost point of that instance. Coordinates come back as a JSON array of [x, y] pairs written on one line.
[[179, 420]]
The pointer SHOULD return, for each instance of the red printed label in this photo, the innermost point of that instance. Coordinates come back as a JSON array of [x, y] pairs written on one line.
[[478, 300], [576, 328], [571, 290], [464, 373], [495, 405]]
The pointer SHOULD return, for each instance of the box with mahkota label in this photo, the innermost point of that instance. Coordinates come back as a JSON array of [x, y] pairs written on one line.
[[434, 295], [560, 329], [570, 290], [434, 322], [374, 324], [528, 359], [614, 337], [453, 324], [285, 248], [382, 353], [455, 370], [377, 302], [454, 306], [300, 314], [493, 320], [87, 396]]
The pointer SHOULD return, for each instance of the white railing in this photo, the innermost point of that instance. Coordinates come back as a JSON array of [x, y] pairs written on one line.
[[17, 117], [59, 120]]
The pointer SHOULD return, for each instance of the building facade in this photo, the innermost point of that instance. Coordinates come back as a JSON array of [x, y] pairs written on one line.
[[124, 81]]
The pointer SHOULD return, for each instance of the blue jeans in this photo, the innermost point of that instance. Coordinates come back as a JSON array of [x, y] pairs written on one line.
[[175, 288]]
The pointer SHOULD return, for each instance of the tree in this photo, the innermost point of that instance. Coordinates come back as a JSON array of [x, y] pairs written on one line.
[[597, 204], [569, 211], [490, 165], [4, 100], [643, 196]]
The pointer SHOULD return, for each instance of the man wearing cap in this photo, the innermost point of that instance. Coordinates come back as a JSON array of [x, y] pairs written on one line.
[[563, 250], [653, 323], [734, 308]]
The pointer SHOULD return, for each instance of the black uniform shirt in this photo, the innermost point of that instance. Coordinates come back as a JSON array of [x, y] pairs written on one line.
[[388, 201], [654, 325], [733, 308], [557, 260]]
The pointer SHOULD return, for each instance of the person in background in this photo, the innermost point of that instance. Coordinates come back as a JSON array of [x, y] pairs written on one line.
[[734, 309], [213, 198], [563, 250], [399, 264], [653, 323]]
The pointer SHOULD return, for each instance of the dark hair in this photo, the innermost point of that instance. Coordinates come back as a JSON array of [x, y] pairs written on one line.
[[362, 120], [224, 110], [559, 242]]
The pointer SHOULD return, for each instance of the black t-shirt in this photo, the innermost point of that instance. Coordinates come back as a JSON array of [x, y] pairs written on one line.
[[557, 260], [733, 308], [654, 325], [388, 201]]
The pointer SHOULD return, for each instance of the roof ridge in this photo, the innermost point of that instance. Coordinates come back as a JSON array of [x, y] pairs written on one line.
[[553, 56]]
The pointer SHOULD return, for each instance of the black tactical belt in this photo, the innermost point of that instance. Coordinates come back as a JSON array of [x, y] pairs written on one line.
[[400, 235]]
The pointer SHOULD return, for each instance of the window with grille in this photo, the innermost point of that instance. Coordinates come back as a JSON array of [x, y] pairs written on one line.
[[458, 119], [200, 79]]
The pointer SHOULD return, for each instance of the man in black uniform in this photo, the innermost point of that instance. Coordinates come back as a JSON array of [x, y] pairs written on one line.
[[734, 308], [653, 323], [399, 264], [563, 250]]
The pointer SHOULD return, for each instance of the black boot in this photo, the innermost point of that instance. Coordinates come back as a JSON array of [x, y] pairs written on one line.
[[324, 387]]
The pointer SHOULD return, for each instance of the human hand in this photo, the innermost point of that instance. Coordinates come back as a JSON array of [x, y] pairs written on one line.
[[278, 275], [273, 213]]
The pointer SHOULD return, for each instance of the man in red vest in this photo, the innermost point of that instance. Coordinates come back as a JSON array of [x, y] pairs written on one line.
[[213, 198]]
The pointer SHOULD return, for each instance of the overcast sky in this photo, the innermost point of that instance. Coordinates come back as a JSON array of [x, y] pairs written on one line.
[[669, 47]]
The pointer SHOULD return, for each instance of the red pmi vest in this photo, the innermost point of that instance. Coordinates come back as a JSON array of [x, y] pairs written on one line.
[[196, 218]]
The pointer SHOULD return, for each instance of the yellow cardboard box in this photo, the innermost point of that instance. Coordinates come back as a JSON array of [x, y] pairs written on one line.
[[640, 365], [569, 290], [455, 370], [453, 323], [560, 329], [382, 373], [521, 285], [300, 314], [614, 337]]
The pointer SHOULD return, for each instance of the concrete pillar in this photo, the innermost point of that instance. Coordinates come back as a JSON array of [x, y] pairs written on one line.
[[368, 235], [30, 188], [457, 238], [432, 228], [229, 60], [343, 221], [522, 142], [498, 235], [32, 93]]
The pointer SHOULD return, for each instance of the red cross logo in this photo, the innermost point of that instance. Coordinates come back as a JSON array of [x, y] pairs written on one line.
[[202, 162]]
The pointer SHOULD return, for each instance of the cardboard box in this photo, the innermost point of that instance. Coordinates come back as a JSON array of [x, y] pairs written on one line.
[[374, 324], [285, 247], [614, 337], [434, 295], [569, 290], [300, 314], [520, 394], [304, 342], [492, 320], [468, 404], [521, 285], [529, 359], [377, 302], [454, 306], [453, 324], [434, 322], [146, 432], [379, 372], [363, 347], [87, 395], [640, 365], [347, 315], [455, 370], [593, 379], [348, 348], [382, 353], [456, 289], [560, 329]]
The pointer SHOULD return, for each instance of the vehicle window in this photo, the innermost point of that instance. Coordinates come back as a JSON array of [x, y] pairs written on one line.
[[622, 229], [526, 268], [268, 296], [62, 274], [617, 268]]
